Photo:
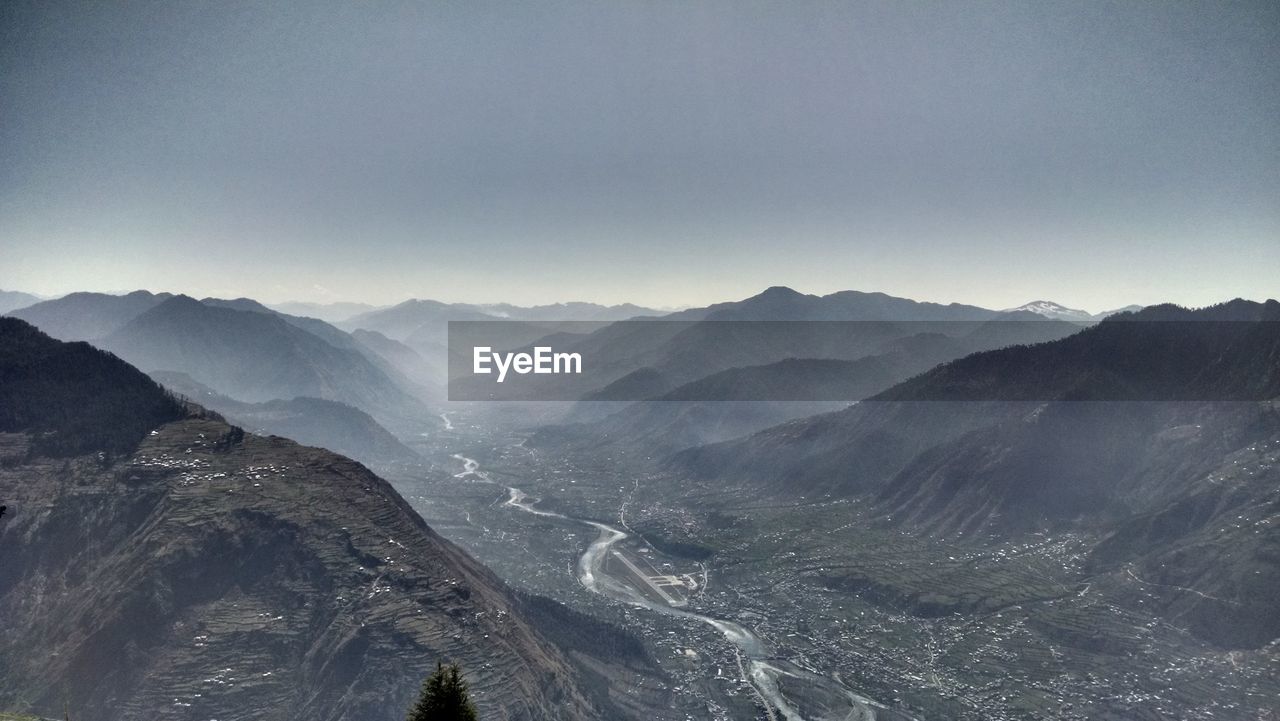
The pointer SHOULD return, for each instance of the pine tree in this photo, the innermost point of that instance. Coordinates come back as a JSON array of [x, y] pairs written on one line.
[[445, 697]]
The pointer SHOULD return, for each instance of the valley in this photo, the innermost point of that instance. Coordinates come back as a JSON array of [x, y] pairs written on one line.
[[827, 605]]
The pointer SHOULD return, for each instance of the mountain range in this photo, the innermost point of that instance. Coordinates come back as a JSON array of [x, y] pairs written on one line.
[[240, 349], [168, 563], [88, 316], [1056, 311], [682, 347], [779, 355], [256, 357], [330, 312], [1132, 430]]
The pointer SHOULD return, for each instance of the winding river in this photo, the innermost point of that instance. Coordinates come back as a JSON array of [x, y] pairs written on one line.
[[755, 665]]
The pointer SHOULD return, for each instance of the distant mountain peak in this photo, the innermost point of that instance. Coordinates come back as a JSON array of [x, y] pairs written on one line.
[[13, 300], [780, 291], [1050, 309], [180, 302], [241, 303]]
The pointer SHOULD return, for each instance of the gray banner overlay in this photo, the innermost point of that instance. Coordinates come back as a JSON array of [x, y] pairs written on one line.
[[823, 360]]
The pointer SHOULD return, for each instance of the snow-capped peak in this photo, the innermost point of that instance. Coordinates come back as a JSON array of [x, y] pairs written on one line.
[[1049, 309]]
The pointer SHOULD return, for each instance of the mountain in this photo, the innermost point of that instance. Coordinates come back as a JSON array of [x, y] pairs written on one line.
[[72, 398], [316, 422], [783, 303], [255, 357], [866, 445], [420, 324], [1148, 432], [735, 402], [210, 350], [331, 312], [1224, 352], [89, 316], [405, 360], [423, 324], [172, 566], [1117, 311], [12, 300], [423, 327], [829, 379], [691, 344], [1054, 311], [411, 317], [565, 311], [326, 332], [743, 400], [405, 319], [247, 304], [411, 375], [804, 379]]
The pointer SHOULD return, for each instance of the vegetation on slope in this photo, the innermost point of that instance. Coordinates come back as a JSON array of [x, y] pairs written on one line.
[[74, 398]]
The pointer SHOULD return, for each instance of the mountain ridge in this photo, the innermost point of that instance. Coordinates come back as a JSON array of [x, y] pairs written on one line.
[[14, 299], [338, 427], [88, 316], [257, 357], [946, 453], [211, 573]]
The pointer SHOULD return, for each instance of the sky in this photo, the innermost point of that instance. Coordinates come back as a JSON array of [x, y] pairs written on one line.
[[663, 153]]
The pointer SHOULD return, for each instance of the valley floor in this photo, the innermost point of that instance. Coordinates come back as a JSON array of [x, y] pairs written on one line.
[[930, 628]]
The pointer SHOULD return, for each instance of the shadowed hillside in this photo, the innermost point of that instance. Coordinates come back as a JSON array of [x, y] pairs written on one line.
[[74, 398], [208, 573], [1016, 441]]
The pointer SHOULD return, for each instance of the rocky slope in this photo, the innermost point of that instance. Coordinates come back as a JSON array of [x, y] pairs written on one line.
[[209, 573]]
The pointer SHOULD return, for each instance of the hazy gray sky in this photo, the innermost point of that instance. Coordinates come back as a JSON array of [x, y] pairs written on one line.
[[665, 153]]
